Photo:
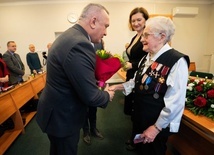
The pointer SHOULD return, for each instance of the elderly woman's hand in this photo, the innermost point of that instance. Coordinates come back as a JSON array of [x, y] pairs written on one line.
[[116, 87], [149, 134]]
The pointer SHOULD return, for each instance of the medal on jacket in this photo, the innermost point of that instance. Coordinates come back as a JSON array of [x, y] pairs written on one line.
[[153, 67], [156, 95], [157, 69], [157, 88], [142, 81], [163, 73], [161, 80], [141, 87], [148, 80]]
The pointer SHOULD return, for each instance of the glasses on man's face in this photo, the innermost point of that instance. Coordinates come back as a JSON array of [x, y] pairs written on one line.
[[146, 35]]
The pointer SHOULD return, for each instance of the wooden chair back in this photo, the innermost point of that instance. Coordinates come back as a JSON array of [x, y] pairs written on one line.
[[192, 66]]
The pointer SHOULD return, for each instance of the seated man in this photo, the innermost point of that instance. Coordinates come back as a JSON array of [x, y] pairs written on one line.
[[33, 60], [14, 63]]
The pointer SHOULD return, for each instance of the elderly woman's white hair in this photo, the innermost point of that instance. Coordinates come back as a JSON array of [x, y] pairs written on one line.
[[161, 25]]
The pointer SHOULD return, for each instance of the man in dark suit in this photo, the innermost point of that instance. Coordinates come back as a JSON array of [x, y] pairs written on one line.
[[71, 84], [14, 63]]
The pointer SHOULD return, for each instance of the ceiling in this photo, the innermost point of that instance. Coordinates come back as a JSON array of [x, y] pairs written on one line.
[[167, 1]]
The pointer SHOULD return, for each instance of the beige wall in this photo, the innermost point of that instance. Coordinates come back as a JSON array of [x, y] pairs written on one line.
[[211, 30], [38, 23]]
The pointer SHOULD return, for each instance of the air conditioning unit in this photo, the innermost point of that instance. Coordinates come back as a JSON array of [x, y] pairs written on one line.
[[184, 11]]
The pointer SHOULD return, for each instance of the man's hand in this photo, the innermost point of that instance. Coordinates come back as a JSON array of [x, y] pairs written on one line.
[[112, 88], [111, 92]]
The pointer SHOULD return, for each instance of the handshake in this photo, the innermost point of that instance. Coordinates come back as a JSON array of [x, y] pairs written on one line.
[[111, 90]]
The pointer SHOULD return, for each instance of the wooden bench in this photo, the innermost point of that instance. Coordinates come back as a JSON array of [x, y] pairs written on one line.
[[12, 101]]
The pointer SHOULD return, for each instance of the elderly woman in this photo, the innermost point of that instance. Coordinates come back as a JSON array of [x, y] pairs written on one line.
[[159, 87]]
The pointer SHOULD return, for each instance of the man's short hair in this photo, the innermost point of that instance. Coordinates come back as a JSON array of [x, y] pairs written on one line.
[[10, 42]]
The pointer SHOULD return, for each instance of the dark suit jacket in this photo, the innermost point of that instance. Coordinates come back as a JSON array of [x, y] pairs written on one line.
[[16, 69], [70, 86]]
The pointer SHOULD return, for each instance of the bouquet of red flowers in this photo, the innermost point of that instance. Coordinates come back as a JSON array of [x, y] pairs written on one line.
[[200, 97], [106, 66]]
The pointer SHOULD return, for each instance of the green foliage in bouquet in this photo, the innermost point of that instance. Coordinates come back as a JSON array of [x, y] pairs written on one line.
[[122, 61], [103, 54], [200, 97]]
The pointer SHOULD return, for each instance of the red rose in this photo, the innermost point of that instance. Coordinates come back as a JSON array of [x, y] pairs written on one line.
[[210, 93], [200, 82], [199, 88], [200, 101], [192, 80]]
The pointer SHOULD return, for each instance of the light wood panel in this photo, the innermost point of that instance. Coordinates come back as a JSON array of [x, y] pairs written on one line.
[[7, 107], [192, 66], [36, 84], [165, 15], [22, 94], [122, 74]]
